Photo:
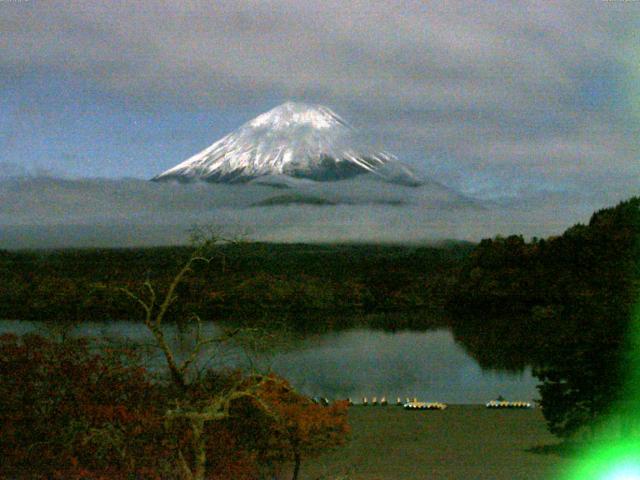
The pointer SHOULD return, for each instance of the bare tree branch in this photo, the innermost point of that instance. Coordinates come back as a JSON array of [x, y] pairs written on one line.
[[135, 298]]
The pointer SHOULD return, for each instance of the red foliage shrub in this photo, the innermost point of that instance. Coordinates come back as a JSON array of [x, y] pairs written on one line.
[[68, 412], [282, 426], [302, 427]]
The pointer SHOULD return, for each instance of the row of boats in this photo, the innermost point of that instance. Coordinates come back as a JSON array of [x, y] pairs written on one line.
[[414, 404], [505, 404]]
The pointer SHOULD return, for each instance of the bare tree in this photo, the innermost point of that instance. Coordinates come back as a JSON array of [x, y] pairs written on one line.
[[155, 312], [155, 306], [266, 392]]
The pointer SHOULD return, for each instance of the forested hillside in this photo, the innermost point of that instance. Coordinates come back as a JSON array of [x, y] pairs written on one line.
[[243, 280], [563, 305]]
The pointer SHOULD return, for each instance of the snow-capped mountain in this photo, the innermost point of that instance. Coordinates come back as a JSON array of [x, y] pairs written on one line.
[[292, 141]]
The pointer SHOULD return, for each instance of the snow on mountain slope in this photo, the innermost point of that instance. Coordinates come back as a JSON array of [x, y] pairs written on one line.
[[293, 140]]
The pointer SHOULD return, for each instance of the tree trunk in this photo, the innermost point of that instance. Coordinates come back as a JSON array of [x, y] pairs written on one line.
[[177, 376], [199, 449], [297, 458]]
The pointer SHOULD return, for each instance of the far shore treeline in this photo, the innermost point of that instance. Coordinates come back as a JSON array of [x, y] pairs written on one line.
[[304, 285]]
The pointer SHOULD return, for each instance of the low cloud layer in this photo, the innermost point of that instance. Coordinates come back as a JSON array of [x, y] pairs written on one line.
[[45, 212]]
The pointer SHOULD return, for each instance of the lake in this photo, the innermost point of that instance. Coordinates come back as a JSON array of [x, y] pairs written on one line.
[[352, 363]]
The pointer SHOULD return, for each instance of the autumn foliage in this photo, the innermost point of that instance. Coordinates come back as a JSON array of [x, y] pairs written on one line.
[[66, 411], [301, 427], [71, 411]]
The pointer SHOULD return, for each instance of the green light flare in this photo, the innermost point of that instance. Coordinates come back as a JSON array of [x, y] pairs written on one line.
[[620, 461]]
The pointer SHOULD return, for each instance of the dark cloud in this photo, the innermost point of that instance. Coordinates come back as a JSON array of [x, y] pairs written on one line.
[[462, 88]]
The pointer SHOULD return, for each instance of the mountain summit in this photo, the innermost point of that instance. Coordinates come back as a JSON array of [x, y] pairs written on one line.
[[291, 141]]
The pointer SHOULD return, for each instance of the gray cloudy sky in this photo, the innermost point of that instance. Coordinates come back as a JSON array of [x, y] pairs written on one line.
[[490, 98]]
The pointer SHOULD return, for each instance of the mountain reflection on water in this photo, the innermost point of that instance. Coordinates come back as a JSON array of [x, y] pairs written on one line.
[[352, 363]]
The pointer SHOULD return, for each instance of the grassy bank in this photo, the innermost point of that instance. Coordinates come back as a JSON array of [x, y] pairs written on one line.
[[462, 442]]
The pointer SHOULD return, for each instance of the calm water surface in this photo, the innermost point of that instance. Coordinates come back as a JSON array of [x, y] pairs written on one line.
[[351, 363]]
